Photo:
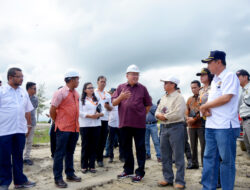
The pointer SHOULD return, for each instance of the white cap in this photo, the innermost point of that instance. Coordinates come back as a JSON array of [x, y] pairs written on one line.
[[133, 68], [171, 79], [71, 73]]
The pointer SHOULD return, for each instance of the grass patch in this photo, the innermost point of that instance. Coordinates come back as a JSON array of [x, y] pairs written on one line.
[[41, 136]]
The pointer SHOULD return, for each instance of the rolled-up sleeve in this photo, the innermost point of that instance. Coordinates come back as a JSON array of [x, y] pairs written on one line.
[[29, 107]]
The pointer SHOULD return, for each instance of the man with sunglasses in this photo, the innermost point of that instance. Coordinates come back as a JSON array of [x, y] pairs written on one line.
[[31, 89], [171, 112], [15, 108]]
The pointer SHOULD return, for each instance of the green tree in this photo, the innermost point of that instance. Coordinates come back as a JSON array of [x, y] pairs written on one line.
[[41, 100]]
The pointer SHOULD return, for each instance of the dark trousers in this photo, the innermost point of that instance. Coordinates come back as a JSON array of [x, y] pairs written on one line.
[[113, 133], [128, 133], [52, 140], [65, 147], [187, 145], [89, 136], [195, 134], [11, 159], [102, 141]]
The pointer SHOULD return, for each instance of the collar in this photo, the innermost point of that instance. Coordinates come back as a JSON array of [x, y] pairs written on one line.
[[127, 84], [221, 75], [172, 94], [247, 86], [10, 87]]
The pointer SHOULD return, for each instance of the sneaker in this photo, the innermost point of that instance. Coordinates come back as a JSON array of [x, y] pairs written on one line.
[[100, 164], [123, 175], [27, 184], [137, 178], [28, 162]]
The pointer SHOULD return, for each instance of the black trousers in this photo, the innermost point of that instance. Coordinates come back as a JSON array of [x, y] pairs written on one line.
[[102, 141], [195, 134], [52, 140], [89, 136], [65, 148], [128, 133], [113, 132]]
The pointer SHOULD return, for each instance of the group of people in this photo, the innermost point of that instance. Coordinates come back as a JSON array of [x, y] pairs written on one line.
[[211, 115]]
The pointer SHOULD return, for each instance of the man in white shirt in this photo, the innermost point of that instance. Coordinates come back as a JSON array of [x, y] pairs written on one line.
[[105, 100], [15, 108], [222, 125], [244, 106]]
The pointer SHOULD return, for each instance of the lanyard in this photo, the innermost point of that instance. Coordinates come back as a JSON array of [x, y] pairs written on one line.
[[102, 97], [91, 101]]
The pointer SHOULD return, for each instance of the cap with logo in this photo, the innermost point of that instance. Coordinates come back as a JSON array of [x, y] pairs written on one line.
[[132, 68], [215, 55], [242, 72], [71, 73], [203, 72], [172, 79]]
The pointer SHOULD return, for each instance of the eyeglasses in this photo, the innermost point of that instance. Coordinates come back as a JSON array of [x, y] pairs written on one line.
[[18, 76], [90, 88]]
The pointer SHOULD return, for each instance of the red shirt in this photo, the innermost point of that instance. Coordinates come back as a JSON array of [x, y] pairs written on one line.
[[132, 111]]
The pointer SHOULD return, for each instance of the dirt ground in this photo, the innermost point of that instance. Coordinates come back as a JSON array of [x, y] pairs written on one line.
[[105, 178]]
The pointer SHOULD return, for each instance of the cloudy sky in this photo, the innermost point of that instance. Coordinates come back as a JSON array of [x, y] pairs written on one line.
[[102, 37]]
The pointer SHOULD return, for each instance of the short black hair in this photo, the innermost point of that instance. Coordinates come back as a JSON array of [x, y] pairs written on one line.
[[196, 82], [223, 61], [101, 77], [29, 85], [12, 72]]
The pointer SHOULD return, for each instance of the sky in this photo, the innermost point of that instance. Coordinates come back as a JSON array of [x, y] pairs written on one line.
[[45, 38]]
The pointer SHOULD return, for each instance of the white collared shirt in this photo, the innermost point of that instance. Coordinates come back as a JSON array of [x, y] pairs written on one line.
[[244, 108], [114, 117], [226, 83], [88, 109], [103, 97], [14, 103]]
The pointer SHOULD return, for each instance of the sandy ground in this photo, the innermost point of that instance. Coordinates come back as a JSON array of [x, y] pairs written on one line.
[[105, 178]]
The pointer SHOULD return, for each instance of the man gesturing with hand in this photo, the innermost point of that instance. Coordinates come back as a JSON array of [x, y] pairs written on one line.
[[133, 102]]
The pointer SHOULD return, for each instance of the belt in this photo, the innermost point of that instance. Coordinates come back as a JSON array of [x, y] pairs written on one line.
[[172, 124], [245, 118], [151, 122]]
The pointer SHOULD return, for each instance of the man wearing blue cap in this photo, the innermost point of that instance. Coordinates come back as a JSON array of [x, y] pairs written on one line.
[[222, 125]]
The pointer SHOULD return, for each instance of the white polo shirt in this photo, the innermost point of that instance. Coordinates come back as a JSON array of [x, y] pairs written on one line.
[[14, 103], [226, 83], [114, 117], [103, 97]]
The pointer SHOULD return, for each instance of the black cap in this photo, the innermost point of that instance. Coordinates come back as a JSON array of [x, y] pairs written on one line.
[[203, 71], [242, 72], [215, 55]]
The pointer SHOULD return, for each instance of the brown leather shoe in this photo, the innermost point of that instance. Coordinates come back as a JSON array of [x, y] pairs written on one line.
[[74, 178], [164, 183], [179, 186]]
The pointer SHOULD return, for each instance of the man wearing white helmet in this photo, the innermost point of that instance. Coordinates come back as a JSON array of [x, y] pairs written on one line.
[[65, 113], [133, 102], [171, 112]]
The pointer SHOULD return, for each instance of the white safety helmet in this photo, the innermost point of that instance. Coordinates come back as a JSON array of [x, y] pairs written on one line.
[[133, 68], [172, 79], [71, 73]]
